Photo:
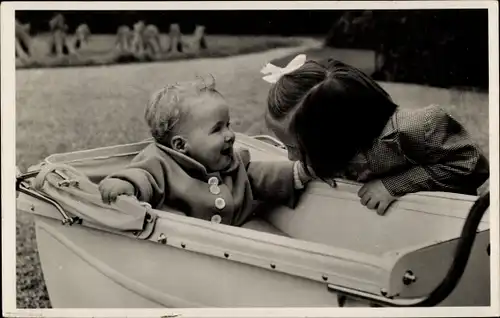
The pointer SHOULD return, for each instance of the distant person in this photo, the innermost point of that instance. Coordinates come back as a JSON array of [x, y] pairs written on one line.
[[342, 124], [59, 43]]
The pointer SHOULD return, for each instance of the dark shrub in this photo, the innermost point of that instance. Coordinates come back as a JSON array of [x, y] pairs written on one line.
[[444, 48]]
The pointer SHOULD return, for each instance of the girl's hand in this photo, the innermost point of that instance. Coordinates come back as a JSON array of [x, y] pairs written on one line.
[[374, 195], [111, 188]]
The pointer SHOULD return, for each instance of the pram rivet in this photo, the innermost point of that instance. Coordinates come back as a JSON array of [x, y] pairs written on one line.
[[183, 245], [273, 266], [32, 208], [226, 255], [325, 278], [409, 278], [384, 292], [162, 239]]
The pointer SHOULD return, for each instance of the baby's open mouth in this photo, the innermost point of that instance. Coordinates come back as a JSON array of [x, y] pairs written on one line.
[[227, 151]]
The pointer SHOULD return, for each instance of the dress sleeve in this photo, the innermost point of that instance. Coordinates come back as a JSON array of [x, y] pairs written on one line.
[[444, 156]]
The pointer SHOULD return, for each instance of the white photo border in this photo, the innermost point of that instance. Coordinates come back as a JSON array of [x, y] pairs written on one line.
[[8, 124]]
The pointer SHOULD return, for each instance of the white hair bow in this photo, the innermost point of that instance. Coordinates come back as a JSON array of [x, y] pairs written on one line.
[[275, 72]]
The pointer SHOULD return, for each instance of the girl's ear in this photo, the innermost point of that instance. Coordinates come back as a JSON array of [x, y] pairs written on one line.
[[179, 143]]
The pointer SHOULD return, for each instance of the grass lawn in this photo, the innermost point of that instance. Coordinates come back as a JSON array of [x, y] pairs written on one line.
[[362, 59], [100, 50], [69, 109]]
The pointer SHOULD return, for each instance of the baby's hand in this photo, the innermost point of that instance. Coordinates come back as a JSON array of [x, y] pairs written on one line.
[[374, 195], [111, 188]]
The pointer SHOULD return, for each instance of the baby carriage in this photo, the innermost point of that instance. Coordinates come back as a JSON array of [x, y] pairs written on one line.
[[330, 251]]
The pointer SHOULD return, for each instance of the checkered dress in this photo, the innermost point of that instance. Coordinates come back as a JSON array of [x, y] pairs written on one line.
[[422, 150]]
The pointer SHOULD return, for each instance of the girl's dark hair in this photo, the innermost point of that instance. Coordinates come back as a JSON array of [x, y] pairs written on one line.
[[336, 111]]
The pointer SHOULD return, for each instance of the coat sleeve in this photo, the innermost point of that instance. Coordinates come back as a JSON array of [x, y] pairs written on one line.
[[147, 173], [443, 155], [271, 181]]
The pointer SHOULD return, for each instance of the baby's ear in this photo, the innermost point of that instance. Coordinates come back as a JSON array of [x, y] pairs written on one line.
[[179, 143]]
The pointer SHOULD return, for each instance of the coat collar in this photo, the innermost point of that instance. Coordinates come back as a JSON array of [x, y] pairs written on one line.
[[390, 130], [193, 166]]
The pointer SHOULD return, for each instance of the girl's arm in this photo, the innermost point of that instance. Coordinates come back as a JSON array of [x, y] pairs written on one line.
[[445, 157]]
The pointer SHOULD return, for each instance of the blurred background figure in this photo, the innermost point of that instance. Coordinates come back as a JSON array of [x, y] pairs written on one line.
[[59, 44], [82, 35], [23, 41], [124, 38]]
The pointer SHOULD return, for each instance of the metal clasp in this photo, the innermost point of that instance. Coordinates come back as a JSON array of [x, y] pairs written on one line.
[[67, 220]]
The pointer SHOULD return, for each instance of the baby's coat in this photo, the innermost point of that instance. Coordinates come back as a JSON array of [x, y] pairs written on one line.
[[162, 176]]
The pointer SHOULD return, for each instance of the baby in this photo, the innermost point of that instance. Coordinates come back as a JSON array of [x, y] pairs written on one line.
[[192, 165]]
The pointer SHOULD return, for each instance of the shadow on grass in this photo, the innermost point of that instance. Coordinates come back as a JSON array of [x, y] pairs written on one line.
[[113, 57]]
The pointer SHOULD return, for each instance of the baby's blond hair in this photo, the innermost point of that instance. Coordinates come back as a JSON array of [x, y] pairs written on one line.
[[166, 109]]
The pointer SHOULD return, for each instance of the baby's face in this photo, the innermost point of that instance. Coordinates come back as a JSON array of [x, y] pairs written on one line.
[[209, 137]]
